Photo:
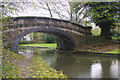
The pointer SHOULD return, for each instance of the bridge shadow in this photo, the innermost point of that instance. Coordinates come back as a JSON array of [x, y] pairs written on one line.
[[63, 39]]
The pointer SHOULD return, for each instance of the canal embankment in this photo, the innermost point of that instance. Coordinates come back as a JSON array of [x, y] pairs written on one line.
[[18, 66], [101, 49]]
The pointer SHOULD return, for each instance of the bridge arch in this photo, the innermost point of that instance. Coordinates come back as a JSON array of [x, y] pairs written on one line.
[[63, 39], [68, 35]]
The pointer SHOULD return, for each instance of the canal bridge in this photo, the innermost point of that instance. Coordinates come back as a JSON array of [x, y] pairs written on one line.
[[68, 35]]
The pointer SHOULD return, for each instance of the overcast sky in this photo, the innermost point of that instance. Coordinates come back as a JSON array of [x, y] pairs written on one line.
[[36, 9]]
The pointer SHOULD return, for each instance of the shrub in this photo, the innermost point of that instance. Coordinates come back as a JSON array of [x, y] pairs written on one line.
[[25, 42], [48, 39], [114, 33]]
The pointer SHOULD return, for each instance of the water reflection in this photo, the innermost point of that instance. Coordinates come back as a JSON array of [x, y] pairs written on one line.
[[96, 70], [119, 68], [78, 66], [114, 68]]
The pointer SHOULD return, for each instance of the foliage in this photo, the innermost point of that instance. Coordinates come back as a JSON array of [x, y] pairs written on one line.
[[7, 9], [115, 33], [8, 68], [104, 14], [38, 38], [116, 38], [48, 39], [96, 31], [42, 70], [25, 42], [37, 67]]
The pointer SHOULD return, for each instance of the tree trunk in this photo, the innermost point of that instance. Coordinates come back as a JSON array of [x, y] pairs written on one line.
[[105, 33], [35, 37]]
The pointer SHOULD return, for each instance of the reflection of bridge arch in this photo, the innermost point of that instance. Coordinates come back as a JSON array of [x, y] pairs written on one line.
[[64, 40], [69, 36]]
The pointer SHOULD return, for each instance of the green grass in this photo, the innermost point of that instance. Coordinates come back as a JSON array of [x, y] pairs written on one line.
[[114, 51], [50, 45]]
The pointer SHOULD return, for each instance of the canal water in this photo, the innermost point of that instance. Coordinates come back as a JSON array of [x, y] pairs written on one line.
[[75, 65]]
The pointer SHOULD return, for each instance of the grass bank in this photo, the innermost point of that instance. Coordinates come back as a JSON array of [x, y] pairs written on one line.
[[114, 51], [9, 70], [18, 66], [102, 48], [50, 45]]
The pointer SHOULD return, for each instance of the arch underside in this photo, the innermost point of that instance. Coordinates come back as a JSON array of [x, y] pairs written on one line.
[[63, 39]]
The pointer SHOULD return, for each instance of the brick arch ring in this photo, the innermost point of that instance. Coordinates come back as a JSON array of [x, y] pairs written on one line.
[[63, 39]]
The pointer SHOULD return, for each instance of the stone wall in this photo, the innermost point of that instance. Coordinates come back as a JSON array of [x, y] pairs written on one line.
[[69, 36]]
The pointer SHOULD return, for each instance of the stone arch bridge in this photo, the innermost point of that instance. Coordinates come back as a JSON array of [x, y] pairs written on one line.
[[69, 36]]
